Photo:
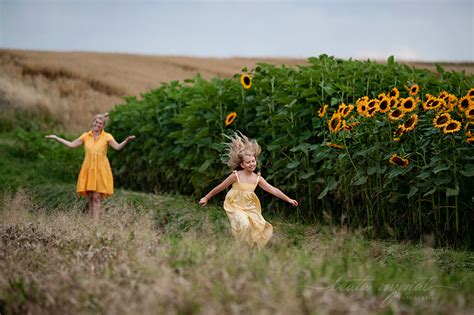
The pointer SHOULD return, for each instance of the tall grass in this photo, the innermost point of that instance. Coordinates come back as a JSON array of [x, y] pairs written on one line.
[[162, 254]]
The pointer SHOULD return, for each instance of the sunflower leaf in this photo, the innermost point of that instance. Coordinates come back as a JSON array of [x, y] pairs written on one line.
[[452, 192], [468, 170], [359, 180], [413, 191], [429, 192]]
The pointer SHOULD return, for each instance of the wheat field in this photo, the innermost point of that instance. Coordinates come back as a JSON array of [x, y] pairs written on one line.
[[74, 86]]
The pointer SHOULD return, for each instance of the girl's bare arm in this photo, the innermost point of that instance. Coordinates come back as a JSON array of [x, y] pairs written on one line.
[[70, 144], [228, 181], [275, 191], [119, 146]]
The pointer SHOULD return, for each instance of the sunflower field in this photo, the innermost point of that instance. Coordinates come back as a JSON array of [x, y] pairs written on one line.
[[382, 147]]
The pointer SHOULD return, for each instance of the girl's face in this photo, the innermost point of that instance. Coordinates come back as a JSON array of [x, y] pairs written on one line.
[[249, 163], [98, 125]]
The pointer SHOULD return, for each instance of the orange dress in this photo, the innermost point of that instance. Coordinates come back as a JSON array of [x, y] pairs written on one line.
[[95, 175], [245, 214]]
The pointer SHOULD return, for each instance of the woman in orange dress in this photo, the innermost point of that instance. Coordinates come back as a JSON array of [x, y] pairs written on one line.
[[95, 179]]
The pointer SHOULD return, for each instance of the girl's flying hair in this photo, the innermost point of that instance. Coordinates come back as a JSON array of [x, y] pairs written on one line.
[[238, 147]]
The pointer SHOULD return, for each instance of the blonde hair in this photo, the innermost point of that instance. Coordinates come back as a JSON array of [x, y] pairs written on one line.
[[238, 147], [103, 117]]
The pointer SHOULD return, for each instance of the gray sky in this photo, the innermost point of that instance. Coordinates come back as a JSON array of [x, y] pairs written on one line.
[[438, 30]]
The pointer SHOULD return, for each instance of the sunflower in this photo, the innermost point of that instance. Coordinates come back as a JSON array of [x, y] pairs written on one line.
[[464, 103], [372, 107], [437, 103], [399, 132], [246, 81], [384, 105], [410, 123], [393, 102], [408, 104], [341, 108], [470, 94], [347, 110], [451, 102], [335, 122], [397, 160], [381, 96], [322, 111], [441, 120], [230, 118], [443, 94], [362, 106], [452, 127], [334, 145], [470, 113], [470, 140], [428, 104], [394, 93], [396, 114], [413, 90]]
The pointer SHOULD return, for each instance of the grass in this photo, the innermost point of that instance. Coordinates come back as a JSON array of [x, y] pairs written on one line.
[[162, 253]]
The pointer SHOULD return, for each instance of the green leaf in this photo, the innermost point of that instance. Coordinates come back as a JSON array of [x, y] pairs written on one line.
[[441, 168], [429, 192], [468, 170], [452, 192], [413, 191], [293, 164], [359, 180]]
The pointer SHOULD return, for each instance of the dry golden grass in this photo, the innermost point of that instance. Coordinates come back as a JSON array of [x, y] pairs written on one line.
[[54, 261], [74, 86]]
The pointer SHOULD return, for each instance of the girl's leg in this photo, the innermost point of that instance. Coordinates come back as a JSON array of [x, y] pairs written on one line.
[[95, 206], [90, 203]]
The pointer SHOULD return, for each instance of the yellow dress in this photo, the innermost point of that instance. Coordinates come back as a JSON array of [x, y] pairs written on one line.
[[245, 214], [95, 175]]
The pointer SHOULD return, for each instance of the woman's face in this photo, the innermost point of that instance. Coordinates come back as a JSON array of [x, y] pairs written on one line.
[[249, 163], [98, 125]]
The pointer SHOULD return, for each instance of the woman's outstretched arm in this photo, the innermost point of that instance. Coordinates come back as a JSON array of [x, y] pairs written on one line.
[[275, 191], [70, 144], [119, 146], [228, 181]]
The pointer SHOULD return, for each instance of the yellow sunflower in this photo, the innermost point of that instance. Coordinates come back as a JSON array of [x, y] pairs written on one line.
[[427, 105], [441, 120], [372, 107], [413, 90], [470, 94], [399, 161], [393, 102], [335, 145], [230, 118], [443, 94], [341, 108], [396, 114], [399, 132], [408, 104], [470, 140], [394, 93], [335, 122], [346, 111], [470, 113], [362, 106], [384, 105], [464, 103], [322, 111], [410, 123], [452, 127], [246, 81]]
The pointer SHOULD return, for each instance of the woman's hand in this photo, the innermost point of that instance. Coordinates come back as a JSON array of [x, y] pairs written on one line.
[[203, 201], [52, 137], [130, 138], [293, 202]]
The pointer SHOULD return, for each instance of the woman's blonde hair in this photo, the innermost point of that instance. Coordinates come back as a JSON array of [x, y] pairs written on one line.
[[103, 117], [238, 147]]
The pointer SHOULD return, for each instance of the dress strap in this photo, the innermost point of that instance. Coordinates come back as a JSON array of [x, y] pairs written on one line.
[[237, 176]]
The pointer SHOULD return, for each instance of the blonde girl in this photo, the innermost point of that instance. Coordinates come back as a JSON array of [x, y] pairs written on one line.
[[241, 204], [95, 178]]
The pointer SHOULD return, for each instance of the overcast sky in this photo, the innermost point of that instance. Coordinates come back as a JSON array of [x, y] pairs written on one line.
[[438, 30]]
